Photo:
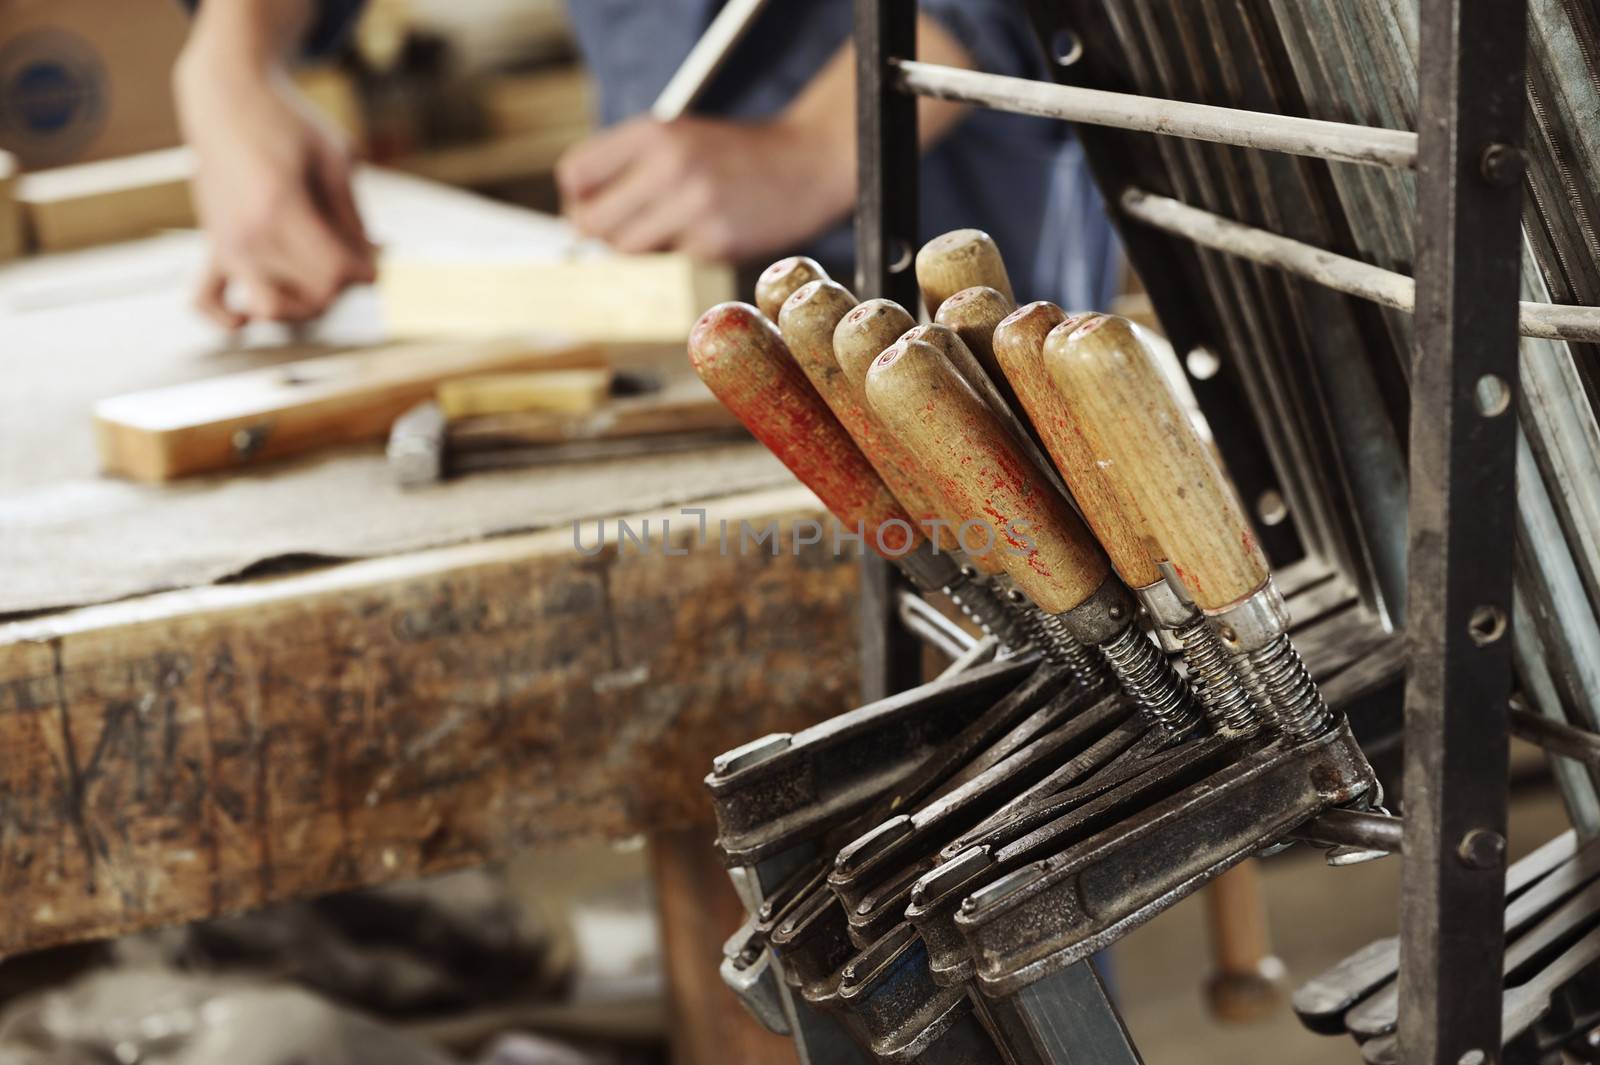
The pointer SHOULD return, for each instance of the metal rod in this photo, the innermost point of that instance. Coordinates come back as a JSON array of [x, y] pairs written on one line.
[[1557, 737], [1220, 125], [1549, 321], [920, 618], [1353, 828], [1463, 449]]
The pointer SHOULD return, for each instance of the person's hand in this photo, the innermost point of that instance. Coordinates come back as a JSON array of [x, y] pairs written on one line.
[[717, 190], [272, 188]]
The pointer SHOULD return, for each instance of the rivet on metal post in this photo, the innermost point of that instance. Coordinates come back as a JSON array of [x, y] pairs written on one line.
[[1502, 165], [1482, 849]]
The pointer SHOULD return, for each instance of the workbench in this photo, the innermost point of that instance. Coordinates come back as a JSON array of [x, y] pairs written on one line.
[[298, 679]]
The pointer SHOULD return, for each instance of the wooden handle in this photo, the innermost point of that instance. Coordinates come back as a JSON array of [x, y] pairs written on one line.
[[974, 314], [779, 281], [984, 476], [961, 258], [807, 321], [1019, 347], [858, 340], [863, 334], [742, 359], [1247, 984], [1142, 439]]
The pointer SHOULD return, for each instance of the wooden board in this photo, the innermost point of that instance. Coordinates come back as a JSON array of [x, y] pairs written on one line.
[[236, 419], [607, 298], [683, 405], [11, 231], [197, 753], [114, 199], [538, 101]]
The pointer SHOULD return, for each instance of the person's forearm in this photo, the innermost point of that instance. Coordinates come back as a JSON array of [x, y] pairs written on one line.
[[248, 36], [821, 112]]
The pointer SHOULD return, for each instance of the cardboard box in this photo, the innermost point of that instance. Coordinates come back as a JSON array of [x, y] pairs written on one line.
[[87, 79]]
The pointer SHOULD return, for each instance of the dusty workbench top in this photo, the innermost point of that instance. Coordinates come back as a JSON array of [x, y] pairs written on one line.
[[77, 327]]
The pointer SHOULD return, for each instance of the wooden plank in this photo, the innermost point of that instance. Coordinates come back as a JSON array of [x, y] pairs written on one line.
[[559, 392], [535, 101], [113, 199], [683, 405], [202, 752], [235, 419], [12, 243], [654, 297]]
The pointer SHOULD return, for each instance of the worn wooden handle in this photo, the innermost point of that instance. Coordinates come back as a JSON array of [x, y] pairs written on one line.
[[860, 337], [984, 476], [780, 280], [807, 321], [863, 334], [961, 258], [742, 359], [1144, 442], [974, 314], [1019, 347]]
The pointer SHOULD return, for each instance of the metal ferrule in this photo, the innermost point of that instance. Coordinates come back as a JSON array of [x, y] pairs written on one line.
[[1109, 609], [1254, 621], [1151, 682], [1168, 611], [929, 568]]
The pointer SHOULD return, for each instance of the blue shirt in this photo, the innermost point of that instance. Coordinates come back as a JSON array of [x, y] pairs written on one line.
[[1022, 179]]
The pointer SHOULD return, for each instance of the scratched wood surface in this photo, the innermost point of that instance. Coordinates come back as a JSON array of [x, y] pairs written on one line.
[[199, 752]]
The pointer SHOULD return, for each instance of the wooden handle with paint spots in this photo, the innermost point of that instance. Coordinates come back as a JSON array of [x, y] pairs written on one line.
[[859, 338], [780, 280], [961, 258], [1019, 347], [984, 475], [739, 355], [807, 322], [1150, 452], [974, 314]]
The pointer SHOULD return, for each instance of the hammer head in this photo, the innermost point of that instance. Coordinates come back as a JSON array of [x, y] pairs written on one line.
[[417, 446]]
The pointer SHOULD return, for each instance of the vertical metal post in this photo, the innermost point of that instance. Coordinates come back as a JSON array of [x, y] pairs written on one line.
[[1463, 450], [886, 232]]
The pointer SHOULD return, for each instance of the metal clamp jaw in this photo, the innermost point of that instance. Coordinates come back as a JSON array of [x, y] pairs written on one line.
[[1062, 908]]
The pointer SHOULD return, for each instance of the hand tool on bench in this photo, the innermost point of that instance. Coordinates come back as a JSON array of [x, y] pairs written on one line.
[[808, 321], [741, 357], [426, 447], [1041, 542], [1019, 342], [1139, 436]]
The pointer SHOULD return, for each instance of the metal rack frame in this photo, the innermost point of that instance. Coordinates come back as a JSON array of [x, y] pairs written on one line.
[[1462, 444]]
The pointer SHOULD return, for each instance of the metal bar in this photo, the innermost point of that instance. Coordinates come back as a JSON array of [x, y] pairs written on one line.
[[1463, 455], [1548, 321], [1354, 828], [886, 227], [936, 630], [1221, 125], [1557, 737]]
